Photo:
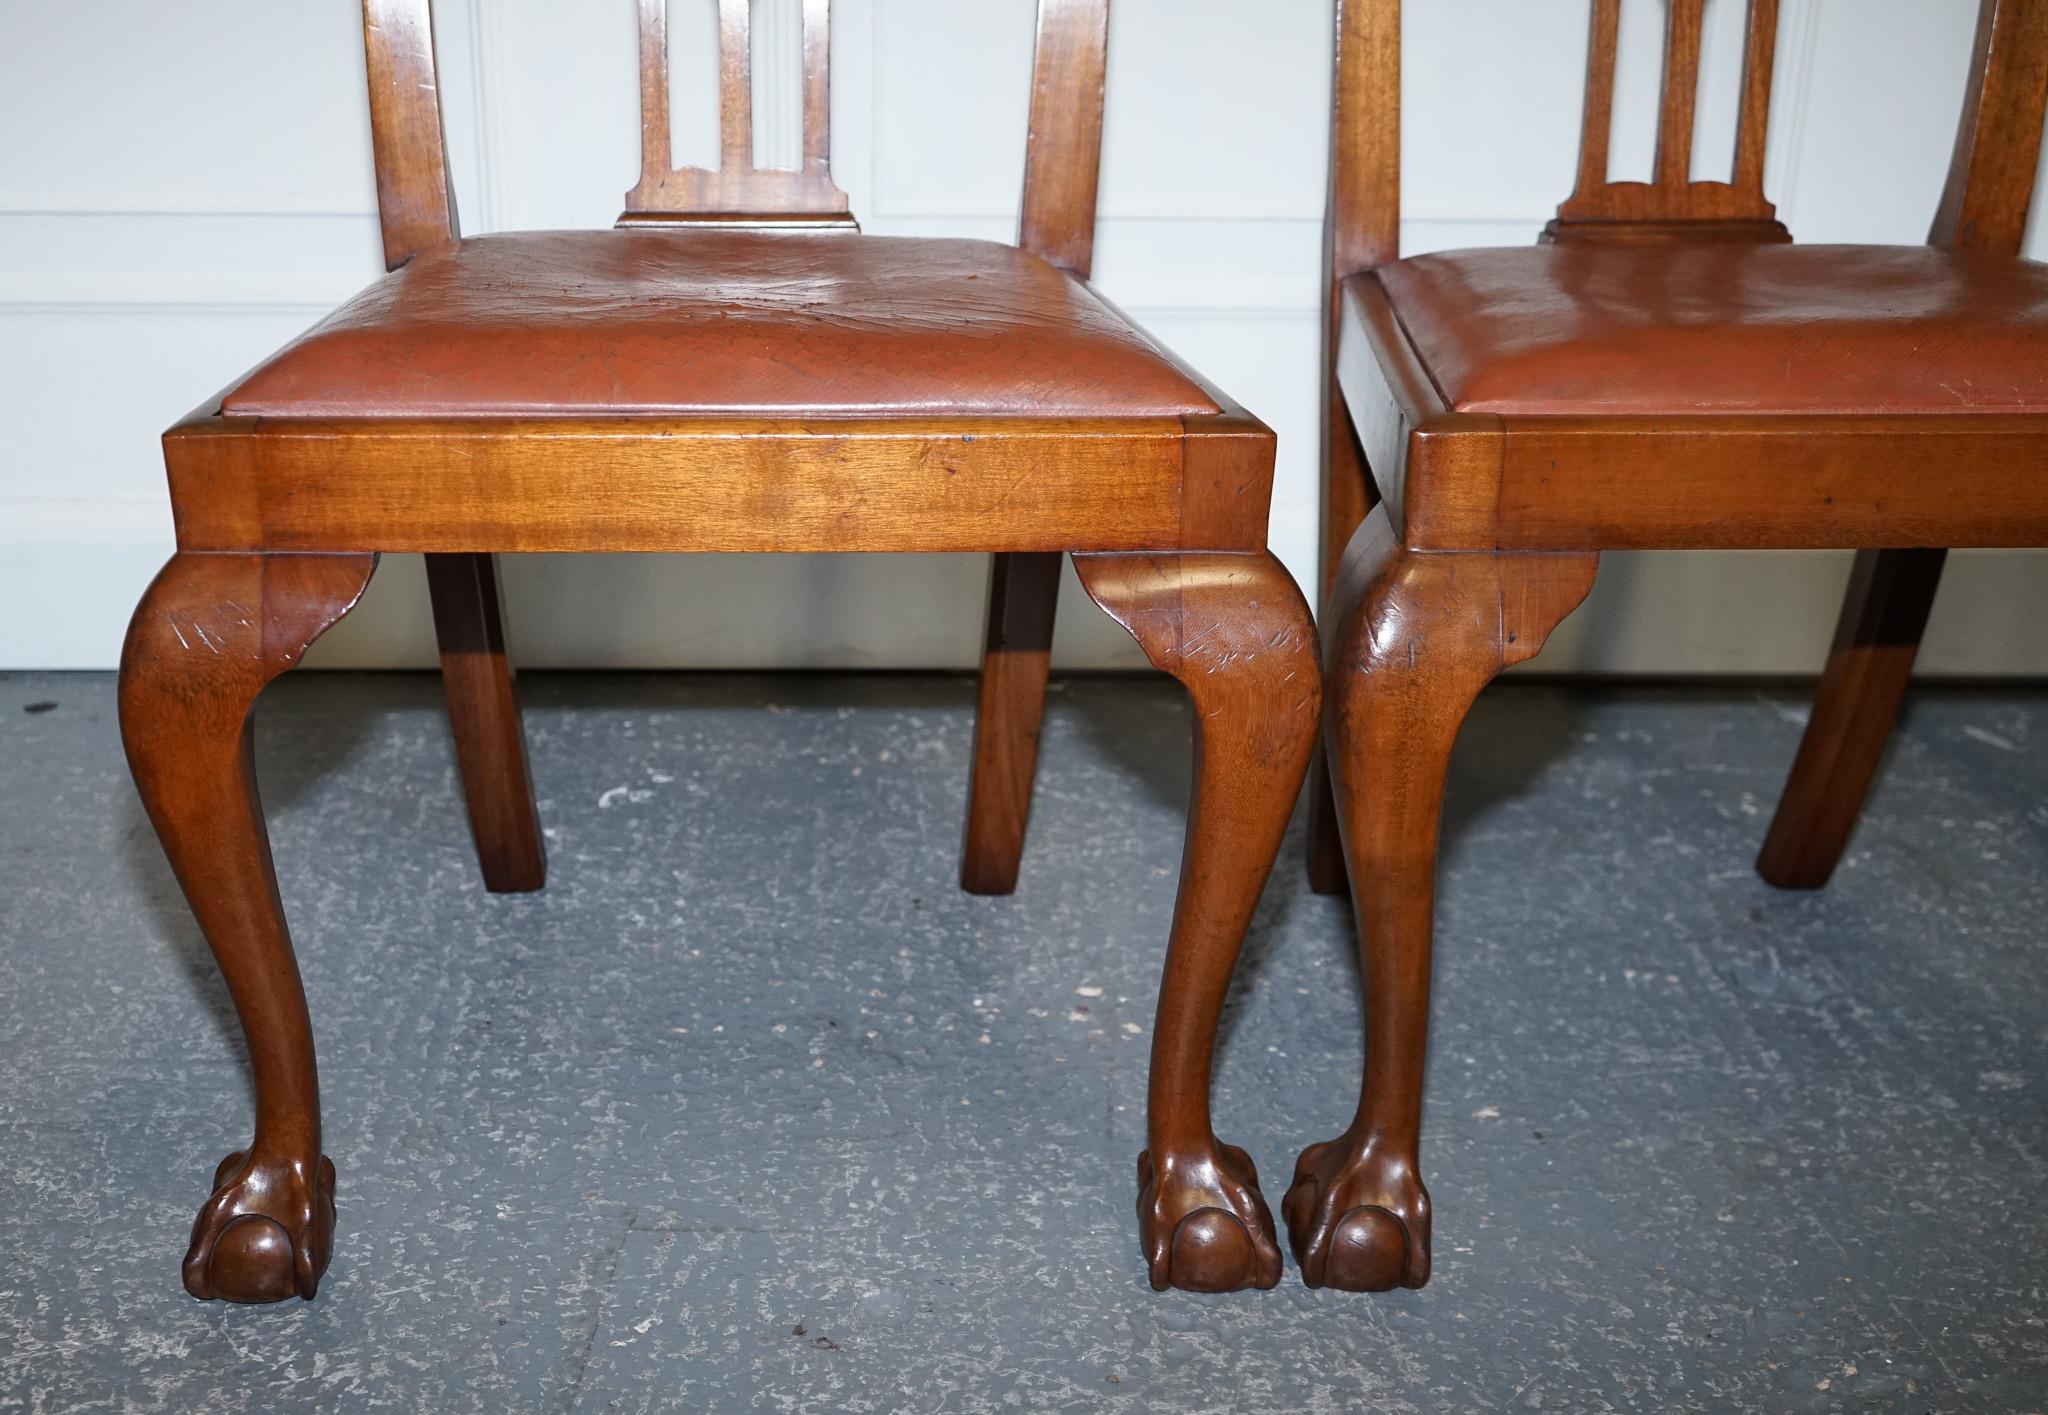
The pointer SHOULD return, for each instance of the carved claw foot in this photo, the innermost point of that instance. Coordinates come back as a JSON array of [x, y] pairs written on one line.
[[1204, 1225], [265, 1234], [1358, 1218]]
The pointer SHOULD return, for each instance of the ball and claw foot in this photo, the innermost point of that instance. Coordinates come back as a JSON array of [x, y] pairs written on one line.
[[265, 1234], [1358, 1222], [1207, 1228]]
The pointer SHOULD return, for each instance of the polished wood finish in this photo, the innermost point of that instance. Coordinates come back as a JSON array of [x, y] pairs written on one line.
[[415, 195], [1990, 185], [1883, 616], [738, 191], [1158, 485], [650, 483], [1494, 509], [1015, 660], [210, 632], [1063, 148], [483, 708], [1236, 632]]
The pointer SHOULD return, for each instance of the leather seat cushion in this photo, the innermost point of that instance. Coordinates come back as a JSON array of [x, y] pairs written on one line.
[[709, 322], [1727, 328]]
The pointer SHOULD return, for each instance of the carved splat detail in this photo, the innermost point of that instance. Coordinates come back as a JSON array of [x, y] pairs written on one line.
[[738, 192], [1671, 205]]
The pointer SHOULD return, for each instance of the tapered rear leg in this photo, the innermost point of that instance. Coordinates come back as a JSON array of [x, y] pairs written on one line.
[[1417, 635], [1022, 594], [1236, 632], [210, 632], [1878, 636], [483, 713], [1348, 495], [1325, 843]]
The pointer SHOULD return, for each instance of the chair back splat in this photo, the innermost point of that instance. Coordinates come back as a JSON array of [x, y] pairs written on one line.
[[1671, 204], [738, 192], [1062, 159]]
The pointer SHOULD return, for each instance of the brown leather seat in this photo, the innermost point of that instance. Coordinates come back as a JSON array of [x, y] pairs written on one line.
[[681, 322], [1727, 328]]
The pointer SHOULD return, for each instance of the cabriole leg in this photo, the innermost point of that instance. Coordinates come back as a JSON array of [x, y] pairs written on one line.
[[210, 632], [1417, 635], [1236, 633]]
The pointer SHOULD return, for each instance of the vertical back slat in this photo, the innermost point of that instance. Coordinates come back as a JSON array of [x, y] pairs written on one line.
[[1998, 142], [1603, 47], [1680, 97], [1753, 117], [1063, 154], [415, 200], [735, 85], [817, 85], [655, 160]]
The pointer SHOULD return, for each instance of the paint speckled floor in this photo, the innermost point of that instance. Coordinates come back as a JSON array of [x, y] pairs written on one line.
[[753, 1110]]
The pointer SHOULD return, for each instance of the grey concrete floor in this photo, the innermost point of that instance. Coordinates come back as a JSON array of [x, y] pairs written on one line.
[[751, 1109]]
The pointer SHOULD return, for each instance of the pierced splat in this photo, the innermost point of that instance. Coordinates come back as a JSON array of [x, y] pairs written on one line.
[[738, 192], [1671, 205]]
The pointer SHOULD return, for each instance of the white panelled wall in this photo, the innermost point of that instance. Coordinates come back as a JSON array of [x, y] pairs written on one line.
[[184, 187]]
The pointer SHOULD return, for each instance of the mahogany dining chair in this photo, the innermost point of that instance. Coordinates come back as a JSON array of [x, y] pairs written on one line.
[[736, 368], [1663, 371]]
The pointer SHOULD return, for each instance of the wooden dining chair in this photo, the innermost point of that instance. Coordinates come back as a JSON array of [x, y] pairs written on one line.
[[736, 369], [1662, 372]]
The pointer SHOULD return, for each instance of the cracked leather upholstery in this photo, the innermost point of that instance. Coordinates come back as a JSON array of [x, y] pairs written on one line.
[[1727, 328], [713, 322]]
